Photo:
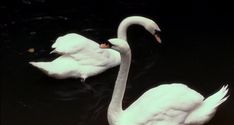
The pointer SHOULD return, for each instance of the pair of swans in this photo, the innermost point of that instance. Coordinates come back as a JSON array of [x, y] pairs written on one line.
[[167, 104], [82, 57]]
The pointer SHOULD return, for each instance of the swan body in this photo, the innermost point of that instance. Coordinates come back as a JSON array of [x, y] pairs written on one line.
[[89, 61], [167, 104], [82, 57]]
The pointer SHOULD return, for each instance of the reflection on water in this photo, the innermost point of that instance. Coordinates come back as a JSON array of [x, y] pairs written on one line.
[[30, 97]]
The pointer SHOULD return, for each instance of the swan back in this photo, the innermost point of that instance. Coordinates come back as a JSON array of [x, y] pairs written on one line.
[[72, 43]]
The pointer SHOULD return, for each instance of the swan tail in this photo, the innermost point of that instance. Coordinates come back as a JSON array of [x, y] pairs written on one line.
[[43, 66], [204, 112]]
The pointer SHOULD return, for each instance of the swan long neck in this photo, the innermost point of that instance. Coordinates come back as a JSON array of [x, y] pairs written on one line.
[[123, 26], [120, 84]]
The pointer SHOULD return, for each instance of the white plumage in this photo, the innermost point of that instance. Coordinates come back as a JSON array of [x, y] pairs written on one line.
[[82, 57], [167, 104]]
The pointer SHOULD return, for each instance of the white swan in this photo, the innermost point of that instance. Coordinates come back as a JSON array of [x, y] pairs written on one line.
[[82, 57], [167, 104]]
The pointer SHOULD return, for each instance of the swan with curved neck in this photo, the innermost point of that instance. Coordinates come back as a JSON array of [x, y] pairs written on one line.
[[148, 24], [82, 57], [167, 104]]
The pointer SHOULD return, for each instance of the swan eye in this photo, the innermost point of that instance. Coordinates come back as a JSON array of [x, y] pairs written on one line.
[[156, 32]]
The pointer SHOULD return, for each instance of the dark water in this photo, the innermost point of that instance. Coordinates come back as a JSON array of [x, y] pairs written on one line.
[[197, 50]]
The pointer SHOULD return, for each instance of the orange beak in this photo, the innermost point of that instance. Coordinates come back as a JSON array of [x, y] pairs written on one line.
[[157, 37], [104, 46]]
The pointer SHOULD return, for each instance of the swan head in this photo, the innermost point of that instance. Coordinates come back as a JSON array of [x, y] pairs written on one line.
[[116, 44], [154, 29]]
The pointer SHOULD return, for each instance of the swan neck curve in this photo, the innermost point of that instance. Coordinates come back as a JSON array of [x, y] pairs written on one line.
[[123, 26], [120, 84]]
